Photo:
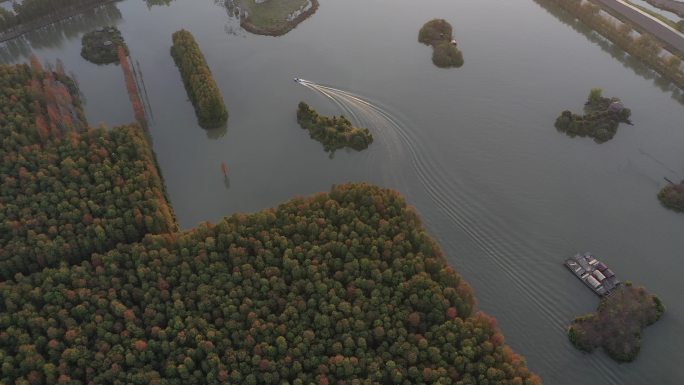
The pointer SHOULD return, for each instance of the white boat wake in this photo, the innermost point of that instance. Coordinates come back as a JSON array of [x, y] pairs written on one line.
[[487, 230]]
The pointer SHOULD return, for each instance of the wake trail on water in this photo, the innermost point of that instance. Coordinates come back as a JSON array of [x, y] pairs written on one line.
[[427, 172], [486, 230]]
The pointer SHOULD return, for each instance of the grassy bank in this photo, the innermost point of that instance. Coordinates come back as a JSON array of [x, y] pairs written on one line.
[[273, 17]]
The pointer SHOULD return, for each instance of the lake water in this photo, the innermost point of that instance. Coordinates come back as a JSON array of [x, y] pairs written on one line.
[[473, 149]]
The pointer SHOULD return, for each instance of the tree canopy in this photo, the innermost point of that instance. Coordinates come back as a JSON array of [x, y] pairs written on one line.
[[617, 324], [199, 82], [68, 190], [339, 288], [101, 45], [332, 132], [600, 121], [672, 196], [438, 33]]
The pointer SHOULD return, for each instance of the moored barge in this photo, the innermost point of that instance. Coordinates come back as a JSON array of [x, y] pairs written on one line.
[[594, 273]]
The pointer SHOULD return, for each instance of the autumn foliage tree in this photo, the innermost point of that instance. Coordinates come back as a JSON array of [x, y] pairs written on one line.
[[131, 87], [67, 190], [332, 132], [199, 82], [338, 288], [672, 196]]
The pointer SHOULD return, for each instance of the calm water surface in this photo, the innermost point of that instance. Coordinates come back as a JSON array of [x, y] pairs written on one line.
[[474, 149]]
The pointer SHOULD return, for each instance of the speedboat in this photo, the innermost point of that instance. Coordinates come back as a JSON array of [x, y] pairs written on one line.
[[298, 80]]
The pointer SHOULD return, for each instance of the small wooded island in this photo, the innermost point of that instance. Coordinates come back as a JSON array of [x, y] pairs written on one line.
[[672, 196], [334, 133], [600, 120], [271, 17], [101, 46], [617, 324], [198, 80], [439, 34]]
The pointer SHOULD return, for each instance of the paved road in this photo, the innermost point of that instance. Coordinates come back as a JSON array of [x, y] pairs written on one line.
[[669, 5], [643, 21]]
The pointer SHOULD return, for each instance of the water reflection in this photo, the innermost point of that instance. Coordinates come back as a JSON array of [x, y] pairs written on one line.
[[142, 91], [224, 170], [55, 34], [613, 50], [232, 26], [217, 133], [152, 3]]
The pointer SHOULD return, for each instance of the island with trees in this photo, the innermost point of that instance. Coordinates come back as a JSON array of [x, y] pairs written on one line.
[[199, 82], [672, 196], [438, 34], [101, 46], [618, 323], [271, 17], [68, 190], [341, 287], [600, 120], [332, 132]]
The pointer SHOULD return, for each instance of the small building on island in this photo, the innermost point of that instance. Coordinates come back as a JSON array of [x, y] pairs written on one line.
[[616, 106]]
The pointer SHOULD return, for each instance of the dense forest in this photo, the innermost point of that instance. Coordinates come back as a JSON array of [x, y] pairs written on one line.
[[68, 190], [643, 47], [334, 133], [439, 34], [199, 82], [672, 196], [37, 105], [600, 121], [339, 288], [617, 324]]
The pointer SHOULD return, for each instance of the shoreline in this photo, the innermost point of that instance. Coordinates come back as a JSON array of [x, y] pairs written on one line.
[[44, 21], [279, 31], [644, 23], [603, 27]]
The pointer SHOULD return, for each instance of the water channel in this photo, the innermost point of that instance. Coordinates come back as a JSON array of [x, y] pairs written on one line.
[[473, 149]]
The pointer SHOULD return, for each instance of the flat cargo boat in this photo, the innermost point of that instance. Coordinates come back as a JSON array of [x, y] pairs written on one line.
[[594, 273]]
